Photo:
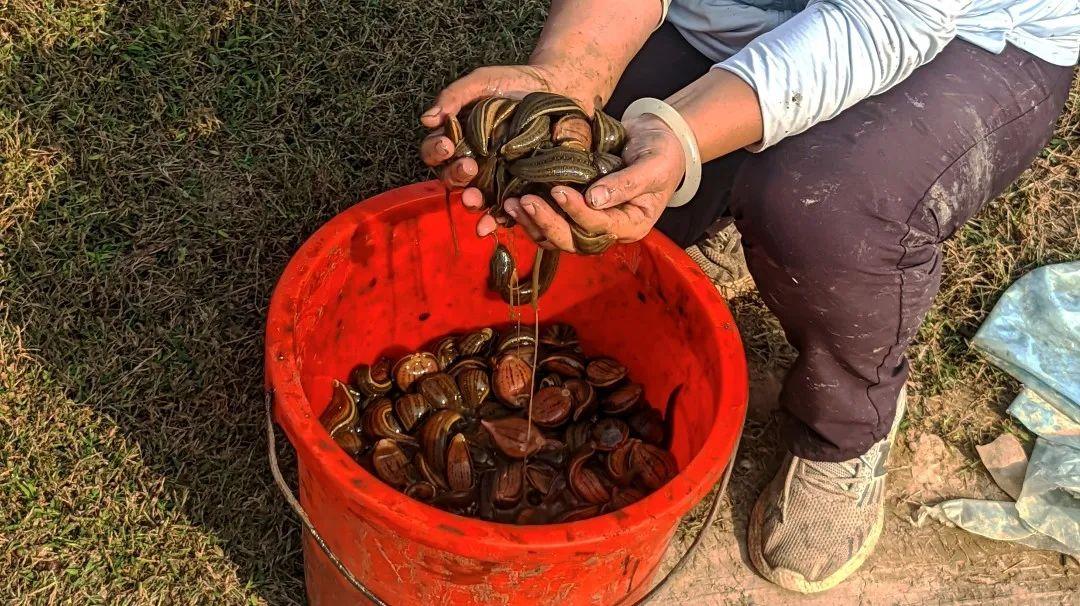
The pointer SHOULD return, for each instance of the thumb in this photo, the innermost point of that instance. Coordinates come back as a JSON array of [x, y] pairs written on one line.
[[623, 185], [457, 95]]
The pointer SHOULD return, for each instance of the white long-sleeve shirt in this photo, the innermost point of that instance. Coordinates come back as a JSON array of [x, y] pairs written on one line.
[[810, 60]]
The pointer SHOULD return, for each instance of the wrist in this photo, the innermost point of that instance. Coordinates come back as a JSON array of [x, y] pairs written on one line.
[[557, 73]]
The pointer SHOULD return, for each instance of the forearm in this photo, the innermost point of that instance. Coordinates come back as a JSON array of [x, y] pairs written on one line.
[[723, 112], [588, 44]]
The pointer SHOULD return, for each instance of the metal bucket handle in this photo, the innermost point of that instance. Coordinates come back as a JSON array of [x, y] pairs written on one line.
[[286, 491]]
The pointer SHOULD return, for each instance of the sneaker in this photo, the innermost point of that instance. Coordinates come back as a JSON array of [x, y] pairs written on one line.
[[720, 256], [816, 523]]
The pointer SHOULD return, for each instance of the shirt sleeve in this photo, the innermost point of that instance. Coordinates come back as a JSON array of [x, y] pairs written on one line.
[[836, 53]]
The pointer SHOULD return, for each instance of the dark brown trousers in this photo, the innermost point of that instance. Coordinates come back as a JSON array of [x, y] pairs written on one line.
[[842, 225]]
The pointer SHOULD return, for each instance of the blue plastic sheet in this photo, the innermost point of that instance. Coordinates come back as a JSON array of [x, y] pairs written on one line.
[[1033, 333]]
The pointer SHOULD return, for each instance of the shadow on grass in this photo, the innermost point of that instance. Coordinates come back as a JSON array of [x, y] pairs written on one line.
[[192, 149]]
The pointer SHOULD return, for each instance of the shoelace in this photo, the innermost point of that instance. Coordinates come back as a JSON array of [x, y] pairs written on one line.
[[720, 246], [847, 478]]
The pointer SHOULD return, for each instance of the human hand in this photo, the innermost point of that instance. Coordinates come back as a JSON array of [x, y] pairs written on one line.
[[626, 203], [515, 81]]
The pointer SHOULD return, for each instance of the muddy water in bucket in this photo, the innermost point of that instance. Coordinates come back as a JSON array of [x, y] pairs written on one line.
[[387, 271]]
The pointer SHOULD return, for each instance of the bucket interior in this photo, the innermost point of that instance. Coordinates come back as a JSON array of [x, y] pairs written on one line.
[[400, 275]]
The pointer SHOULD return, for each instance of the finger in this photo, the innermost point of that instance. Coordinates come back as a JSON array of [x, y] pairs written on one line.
[[436, 149], [433, 117], [459, 173], [629, 222], [623, 185], [554, 226], [486, 226], [472, 198], [571, 201], [513, 208]]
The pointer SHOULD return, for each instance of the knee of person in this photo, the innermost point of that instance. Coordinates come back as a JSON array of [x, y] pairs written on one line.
[[805, 214]]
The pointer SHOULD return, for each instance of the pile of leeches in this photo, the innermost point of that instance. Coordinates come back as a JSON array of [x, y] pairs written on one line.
[[528, 146], [459, 426]]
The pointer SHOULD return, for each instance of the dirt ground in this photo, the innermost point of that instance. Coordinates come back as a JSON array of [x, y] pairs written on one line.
[[911, 565]]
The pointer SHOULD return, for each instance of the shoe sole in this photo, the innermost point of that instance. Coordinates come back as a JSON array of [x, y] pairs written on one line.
[[789, 579]]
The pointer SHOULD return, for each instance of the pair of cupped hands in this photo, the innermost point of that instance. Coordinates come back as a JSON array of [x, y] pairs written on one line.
[[626, 203]]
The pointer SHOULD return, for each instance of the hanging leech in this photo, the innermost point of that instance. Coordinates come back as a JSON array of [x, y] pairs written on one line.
[[503, 278]]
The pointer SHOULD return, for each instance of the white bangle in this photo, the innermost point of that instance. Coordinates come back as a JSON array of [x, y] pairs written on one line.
[[671, 117], [664, 4]]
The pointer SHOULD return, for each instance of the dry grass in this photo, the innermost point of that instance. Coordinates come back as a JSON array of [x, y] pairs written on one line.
[[159, 161], [1035, 223]]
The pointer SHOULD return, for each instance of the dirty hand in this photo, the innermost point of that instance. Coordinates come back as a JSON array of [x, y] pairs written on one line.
[[503, 80], [626, 203]]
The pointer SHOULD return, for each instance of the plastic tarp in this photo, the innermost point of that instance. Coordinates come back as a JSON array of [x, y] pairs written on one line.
[[1033, 333]]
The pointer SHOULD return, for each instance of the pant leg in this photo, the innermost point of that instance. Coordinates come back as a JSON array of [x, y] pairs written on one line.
[[664, 65], [842, 227]]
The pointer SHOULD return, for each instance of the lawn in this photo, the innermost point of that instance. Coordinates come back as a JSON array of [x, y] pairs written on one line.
[[159, 162]]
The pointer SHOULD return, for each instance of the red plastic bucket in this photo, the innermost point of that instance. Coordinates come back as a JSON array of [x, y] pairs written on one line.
[[394, 271]]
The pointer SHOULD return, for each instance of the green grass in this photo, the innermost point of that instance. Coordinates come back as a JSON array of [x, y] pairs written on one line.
[[159, 162]]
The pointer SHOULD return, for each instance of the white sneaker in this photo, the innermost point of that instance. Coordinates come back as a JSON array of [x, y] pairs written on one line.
[[816, 523]]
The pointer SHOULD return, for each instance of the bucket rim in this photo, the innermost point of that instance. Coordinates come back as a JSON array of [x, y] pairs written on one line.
[[385, 505]]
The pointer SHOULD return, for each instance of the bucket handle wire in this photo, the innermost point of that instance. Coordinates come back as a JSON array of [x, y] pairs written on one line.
[[287, 492]]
